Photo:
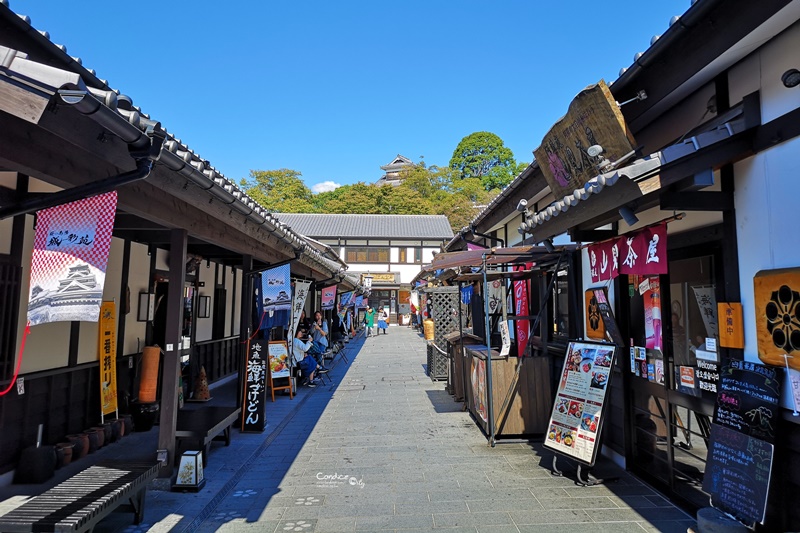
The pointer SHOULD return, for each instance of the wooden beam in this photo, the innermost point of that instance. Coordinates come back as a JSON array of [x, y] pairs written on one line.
[[595, 235], [696, 201], [168, 420]]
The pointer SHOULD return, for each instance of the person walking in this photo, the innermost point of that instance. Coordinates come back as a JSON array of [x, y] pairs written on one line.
[[383, 322], [369, 320]]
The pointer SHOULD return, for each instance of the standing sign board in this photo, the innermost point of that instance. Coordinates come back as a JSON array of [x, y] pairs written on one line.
[[107, 348], [254, 418], [577, 417], [742, 443], [279, 367]]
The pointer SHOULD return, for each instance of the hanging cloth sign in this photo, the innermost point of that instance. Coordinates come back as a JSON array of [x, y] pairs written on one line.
[[359, 302], [642, 253], [68, 265], [344, 302], [521, 309], [328, 297], [275, 301], [107, 351]]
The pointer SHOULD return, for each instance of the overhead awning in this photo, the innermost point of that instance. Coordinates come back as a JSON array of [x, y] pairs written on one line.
[[640, 185], [494, 256]]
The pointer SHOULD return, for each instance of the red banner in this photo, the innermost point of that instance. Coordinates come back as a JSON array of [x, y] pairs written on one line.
[[642, 252], [521, 309], [70, 254]]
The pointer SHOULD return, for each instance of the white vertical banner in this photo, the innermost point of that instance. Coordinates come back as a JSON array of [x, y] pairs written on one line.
[[707, 303], [298, 303]]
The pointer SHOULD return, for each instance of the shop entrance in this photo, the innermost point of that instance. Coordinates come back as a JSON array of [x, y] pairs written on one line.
[[673, 370]]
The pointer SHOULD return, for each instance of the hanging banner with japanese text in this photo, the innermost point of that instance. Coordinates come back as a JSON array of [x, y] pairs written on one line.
[[107, 351], [328, 297], [707, 302], [68, 265], [604, 260], [642, 252], [345, 299], [521, 309], [298, 302], [360, 302], [254, 418]]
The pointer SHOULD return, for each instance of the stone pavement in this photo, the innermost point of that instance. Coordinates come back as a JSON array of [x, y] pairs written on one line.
[[383, 448]]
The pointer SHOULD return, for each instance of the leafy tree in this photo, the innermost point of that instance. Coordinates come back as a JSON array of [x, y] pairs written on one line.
[[483, 155], [279, 191]]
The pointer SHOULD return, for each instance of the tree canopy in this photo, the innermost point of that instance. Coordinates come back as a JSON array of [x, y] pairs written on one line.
[[483, 155]]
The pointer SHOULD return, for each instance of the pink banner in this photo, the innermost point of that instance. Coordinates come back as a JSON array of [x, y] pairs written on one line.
[[328, 297], [604, 260], [652, 312], [522, 327], [644, 252], [68, 265]]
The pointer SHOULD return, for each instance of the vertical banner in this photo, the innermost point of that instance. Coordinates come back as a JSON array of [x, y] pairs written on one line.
[[253, 414], [345, 299], [359, 304], [68, 265], [107, 351], [521, 309], [275, 300], [707, 302], [652, 313], [328, 297], [298, 303]]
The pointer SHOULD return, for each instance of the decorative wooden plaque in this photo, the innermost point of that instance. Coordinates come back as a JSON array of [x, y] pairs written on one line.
[[593, 118], [595, 329], [777, 302]]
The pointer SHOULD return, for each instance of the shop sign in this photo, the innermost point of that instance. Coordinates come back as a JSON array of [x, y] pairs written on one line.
[[595, 329], [479, 387], [741, 447], [642, 253], [593, 118], [577, 417], [107, 350], [521, 309], [378, 278], [253, 414], [777, 300]]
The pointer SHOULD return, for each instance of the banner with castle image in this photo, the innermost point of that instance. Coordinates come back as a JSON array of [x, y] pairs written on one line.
[[68, 265]]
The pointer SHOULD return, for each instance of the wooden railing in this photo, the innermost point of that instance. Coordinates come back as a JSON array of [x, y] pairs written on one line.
[[221, 357]]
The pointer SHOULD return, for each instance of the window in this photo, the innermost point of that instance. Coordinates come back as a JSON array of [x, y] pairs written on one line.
[[418, 255], [367, 255], [402, 257]]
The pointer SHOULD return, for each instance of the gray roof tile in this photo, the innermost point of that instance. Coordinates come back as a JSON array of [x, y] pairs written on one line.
[[368, 226]]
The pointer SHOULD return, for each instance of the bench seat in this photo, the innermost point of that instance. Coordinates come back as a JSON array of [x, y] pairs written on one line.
[[84, 499], [200, 426]]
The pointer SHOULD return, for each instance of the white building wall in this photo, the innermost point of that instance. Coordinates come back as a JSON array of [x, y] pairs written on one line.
[[205, 325], [138, 281]]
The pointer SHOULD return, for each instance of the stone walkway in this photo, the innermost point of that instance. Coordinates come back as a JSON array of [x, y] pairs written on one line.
[[383, 448]]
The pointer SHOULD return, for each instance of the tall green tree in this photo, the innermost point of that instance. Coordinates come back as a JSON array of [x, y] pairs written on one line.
[[279, 191], [483, 155]]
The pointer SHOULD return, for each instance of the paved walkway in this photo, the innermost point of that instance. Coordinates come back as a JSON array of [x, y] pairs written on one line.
[[384, 448]]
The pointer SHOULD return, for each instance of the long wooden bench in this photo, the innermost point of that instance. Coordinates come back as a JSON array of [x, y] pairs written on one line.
[[203, 425], [83, 500]]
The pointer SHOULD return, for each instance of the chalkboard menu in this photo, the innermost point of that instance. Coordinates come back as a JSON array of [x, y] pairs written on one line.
[[741, 447], [577, 417], [253, 415]]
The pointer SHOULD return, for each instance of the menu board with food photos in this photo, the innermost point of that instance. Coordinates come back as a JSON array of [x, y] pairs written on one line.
[[577, 417]]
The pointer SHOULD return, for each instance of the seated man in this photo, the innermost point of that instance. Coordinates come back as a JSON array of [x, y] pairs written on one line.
[[305, 361]]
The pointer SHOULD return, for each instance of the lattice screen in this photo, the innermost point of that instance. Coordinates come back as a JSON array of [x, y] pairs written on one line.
[[444, 311]]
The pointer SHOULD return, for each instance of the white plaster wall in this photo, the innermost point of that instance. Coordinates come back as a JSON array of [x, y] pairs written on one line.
[[138, 281], [394, 255], [237, 310], [204, 326], [162, 259], [87, 338], [427, 254]]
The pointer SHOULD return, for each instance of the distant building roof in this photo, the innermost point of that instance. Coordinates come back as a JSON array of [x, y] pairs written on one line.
[[368, 226], [393, 170]]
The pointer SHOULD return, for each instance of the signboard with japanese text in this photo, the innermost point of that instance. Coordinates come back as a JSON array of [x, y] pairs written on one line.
[[68, 265], [521, 289], [607, 315], [254, 418], [593, 118], [642, 252], [107, 350], [741, 446], [595, 329], [577, 417], [731, 332]]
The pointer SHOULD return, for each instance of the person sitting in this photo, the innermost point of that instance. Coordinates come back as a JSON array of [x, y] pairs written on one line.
[[304, 322], [304, 360]]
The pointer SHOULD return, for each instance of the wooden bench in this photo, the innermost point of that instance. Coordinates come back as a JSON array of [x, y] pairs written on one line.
[[203, 425], [83, 500]]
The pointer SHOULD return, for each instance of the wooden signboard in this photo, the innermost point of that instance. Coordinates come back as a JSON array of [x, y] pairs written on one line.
[[577, 417], [594, 322], [731, 325], [740, 450], [777, 301], [279, 368], [594, 118], [254, 418]]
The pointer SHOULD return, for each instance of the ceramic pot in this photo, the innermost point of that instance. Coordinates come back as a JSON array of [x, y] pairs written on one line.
[[94, 439], [117, 429], [67, 449], [108, 432], [101, 436], [128, 421], [145, 415], [81, 445]]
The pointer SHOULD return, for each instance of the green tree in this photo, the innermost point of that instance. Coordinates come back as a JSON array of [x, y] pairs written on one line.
[[279, 191], [483, 155]]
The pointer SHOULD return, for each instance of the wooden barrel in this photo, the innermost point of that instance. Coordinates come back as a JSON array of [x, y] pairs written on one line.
[[148, 383], [428, 328]]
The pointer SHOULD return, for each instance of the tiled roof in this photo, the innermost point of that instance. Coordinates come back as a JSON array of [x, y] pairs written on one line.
[[368, 226]]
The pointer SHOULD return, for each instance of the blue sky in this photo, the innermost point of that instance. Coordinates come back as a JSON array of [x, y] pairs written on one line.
[[337, 89]]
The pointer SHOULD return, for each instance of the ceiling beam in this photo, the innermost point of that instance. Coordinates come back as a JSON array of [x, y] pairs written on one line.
[[595, 235], [696, 201]]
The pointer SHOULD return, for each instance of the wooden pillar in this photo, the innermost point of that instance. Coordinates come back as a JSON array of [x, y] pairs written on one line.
[[172, 339], [245, 322]]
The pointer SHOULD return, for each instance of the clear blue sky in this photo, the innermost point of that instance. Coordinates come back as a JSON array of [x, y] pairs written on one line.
[[337, 89]]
